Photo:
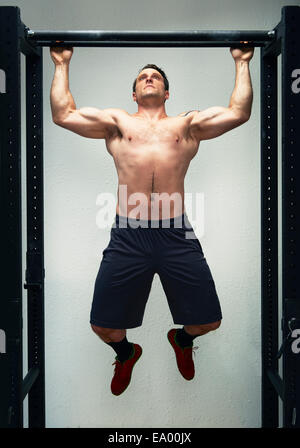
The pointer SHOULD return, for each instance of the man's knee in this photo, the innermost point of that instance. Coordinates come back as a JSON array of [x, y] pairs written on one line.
[[203, 328], [109, 334], [96, 329], [102, 331], [214, 325]]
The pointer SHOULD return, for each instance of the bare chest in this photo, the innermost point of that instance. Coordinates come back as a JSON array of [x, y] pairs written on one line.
[[153, 134], [168, 138]]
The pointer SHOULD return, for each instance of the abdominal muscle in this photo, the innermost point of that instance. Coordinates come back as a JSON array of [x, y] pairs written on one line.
[[151, 189], [146, 205]]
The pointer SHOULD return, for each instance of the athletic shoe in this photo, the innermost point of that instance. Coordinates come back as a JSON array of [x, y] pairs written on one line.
[[184, 356], [123, 371]]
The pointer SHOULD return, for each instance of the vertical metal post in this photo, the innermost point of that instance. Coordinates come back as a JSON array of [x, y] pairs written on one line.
[[290, 207], [35, 236], [11, 362], [269, 236]]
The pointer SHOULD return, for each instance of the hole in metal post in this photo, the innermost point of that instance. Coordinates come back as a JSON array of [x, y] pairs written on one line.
[[2, 81]]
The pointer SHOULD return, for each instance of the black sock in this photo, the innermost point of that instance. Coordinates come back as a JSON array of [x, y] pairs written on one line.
[[123, 349], [183, 338]]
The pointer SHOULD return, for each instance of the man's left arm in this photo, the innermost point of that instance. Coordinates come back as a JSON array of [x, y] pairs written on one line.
[[215, 121]]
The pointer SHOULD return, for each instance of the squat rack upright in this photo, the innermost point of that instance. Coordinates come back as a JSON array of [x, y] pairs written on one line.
[[16, 38]]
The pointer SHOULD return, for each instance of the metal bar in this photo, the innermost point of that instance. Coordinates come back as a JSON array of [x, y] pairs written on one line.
[[11, 362], [149, 38], [29, 380], [117, 44], [35, 236], [276, 382], [170, 36], [290, 197], [269, 237]]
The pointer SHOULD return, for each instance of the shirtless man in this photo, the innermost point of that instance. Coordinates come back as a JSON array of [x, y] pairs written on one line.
[[152, 152]]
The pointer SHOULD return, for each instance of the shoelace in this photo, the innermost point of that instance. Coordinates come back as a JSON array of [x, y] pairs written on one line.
[[193, 351], [117, 364], [195, 348]]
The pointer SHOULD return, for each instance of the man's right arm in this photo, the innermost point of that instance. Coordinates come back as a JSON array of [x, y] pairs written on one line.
[[87, 121]]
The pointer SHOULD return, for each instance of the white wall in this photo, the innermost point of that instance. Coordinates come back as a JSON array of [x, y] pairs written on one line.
[[226, 388]]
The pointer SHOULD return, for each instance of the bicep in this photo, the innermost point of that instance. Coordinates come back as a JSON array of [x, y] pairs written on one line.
[[215, 121], [89, 122]]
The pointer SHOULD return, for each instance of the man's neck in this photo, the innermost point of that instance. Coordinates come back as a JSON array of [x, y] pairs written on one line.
[[152, 113]]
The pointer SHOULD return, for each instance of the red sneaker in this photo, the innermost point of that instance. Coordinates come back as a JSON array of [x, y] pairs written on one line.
[[184, 356], [123, 371]]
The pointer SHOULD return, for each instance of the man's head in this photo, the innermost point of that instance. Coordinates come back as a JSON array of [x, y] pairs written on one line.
[[151, 82]]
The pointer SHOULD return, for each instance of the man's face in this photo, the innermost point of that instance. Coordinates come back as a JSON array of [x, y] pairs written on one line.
[[150, 84]]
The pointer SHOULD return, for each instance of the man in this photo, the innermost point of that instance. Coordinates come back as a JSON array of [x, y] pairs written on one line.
[[152, 152]]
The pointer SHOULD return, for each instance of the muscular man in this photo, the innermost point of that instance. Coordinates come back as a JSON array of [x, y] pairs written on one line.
[[152, 152]]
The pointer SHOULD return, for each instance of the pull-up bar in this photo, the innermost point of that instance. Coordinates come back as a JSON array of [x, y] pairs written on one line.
[[149, 38]]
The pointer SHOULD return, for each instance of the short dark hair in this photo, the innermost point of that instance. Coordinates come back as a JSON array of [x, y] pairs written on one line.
[[166, 82]]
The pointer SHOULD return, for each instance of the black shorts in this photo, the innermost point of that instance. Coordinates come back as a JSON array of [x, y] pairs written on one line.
[[137, 250]]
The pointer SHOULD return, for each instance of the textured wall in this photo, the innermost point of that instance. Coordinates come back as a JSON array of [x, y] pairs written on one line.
[[226, 389]]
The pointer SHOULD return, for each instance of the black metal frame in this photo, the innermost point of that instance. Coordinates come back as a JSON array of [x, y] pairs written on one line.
[[287, 39], [15, 38]]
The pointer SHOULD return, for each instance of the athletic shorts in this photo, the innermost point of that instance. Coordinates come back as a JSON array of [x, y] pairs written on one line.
[[136, 251]]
